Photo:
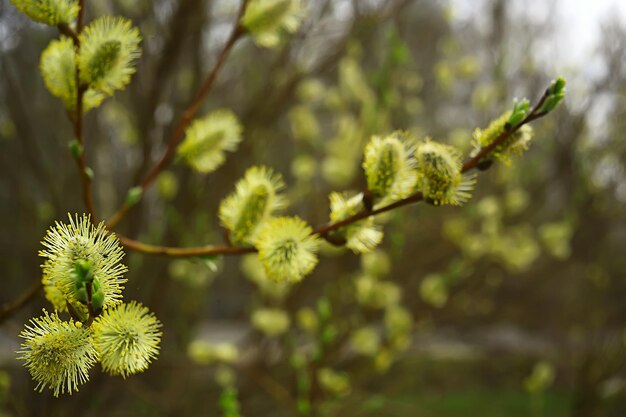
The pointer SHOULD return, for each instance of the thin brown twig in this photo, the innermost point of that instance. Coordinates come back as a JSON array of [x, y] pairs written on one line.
[[146, 248], [77, 119], [187, 116], [324, 231]]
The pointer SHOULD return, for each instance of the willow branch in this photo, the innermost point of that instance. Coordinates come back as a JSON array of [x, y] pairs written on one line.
[[324, 231], [187, 116], [77, 122], [532, 115], [148, 249], [77, 117]]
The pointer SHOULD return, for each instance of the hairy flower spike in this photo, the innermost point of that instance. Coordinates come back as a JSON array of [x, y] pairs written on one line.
[[389, 167], [287, 249], [361, 236], [58, 354], [439, 175], [127, 338], [58, 68], [50, 12], [516, 143], [80, 240], [268, 20], [109, 48], [255, 199], [208, 138]]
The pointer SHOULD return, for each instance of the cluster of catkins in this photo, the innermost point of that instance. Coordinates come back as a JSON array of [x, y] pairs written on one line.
[[83, 276]]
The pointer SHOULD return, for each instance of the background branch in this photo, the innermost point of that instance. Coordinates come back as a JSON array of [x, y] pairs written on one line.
[[324, 231], [187, 117]]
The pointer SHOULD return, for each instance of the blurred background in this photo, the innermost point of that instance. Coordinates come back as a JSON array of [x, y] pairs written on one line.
[[516, 302]]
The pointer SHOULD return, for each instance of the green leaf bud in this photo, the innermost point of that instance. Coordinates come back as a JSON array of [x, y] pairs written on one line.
[[89, 173], [82, 271], [520, 111], [134, 196], [75, 148], [97, 296], [555, 93]]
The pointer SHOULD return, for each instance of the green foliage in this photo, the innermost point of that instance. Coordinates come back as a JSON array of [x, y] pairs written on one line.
[[83, 273], [541, 377], [229, 403]]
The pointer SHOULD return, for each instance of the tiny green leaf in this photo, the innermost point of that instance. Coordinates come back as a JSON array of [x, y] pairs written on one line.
[[555, 93], [211, 261], [520, 111], [134, 196], [76, 148]]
